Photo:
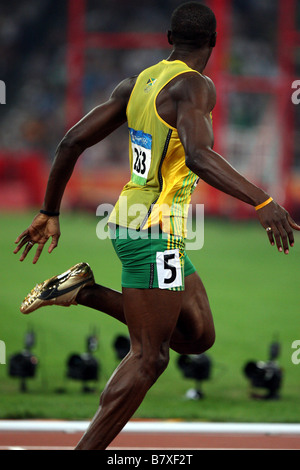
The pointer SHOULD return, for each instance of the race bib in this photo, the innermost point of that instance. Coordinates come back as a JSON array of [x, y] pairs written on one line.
[[168, 269], [141, 144]]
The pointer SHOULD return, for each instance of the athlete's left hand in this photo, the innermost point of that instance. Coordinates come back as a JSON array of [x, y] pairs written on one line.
[[41, 229], [279, 226]]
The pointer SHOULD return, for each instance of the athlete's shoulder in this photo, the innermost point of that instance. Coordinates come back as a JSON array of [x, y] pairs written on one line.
[[124, 88], [193, 87], [209, 83]]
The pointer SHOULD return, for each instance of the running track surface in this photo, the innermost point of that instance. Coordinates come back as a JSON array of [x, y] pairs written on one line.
[[143, 435]]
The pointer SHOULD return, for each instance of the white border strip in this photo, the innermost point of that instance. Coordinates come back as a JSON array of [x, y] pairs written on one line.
[[153, 427]]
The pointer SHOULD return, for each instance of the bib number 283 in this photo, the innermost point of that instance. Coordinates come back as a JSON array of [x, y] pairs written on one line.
[[168, 269], [141, 144]]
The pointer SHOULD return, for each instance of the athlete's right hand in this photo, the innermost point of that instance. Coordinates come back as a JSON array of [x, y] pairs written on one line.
[[279, 226], [41, 229]]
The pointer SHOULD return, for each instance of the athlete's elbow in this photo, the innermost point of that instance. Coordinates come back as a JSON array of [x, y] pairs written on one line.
[[196, 163], [72, 142]]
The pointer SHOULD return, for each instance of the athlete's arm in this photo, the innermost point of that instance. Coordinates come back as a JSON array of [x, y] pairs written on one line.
[[94, 127], [194, 103]]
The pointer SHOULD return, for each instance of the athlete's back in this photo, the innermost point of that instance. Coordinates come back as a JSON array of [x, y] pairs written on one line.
[[160, 181]]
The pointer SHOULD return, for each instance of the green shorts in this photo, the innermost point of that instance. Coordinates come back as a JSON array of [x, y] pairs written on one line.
[[151, 260]]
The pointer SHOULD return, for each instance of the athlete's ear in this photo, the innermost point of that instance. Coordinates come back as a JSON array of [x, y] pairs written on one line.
[[170, 40]]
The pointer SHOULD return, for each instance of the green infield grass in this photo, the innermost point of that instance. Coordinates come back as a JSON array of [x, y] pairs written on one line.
[[254, 295]]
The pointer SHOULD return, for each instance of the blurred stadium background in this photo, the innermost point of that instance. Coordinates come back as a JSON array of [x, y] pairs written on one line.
[[59, 59]]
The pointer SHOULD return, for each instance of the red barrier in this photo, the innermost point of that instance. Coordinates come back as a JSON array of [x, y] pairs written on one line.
[[22, 180]]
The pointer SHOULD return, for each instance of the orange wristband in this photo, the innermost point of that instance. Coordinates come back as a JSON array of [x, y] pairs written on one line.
[[263, 204]]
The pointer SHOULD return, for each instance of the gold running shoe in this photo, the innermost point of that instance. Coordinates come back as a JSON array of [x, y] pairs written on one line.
[[59, 290]]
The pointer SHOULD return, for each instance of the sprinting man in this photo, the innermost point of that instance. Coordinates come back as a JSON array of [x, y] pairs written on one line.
[[163, 302]]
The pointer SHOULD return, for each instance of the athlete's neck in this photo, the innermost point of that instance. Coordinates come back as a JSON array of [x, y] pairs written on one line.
[[196, 59]]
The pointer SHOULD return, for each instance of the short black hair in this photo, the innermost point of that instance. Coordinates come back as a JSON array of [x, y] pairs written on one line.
[[193, 23]]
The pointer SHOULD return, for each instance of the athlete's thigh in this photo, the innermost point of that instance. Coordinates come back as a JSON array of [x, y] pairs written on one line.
[[195, 319], [151, 316]]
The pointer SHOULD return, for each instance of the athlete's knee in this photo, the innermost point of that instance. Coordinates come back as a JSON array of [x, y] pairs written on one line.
[[152, 364], [206, 342], [195, 345], [155, 363]]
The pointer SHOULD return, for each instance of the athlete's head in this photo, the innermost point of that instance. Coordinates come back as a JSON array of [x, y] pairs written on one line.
[[193, 24]]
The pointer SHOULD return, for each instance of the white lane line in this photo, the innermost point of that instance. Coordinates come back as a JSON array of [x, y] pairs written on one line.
[[155, 427], [16, 448]]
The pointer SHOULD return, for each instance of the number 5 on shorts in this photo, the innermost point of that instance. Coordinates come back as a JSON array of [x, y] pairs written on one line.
[[168, 269]]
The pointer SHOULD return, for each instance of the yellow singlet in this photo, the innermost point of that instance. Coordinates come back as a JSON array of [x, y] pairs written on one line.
[[161, 184]]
